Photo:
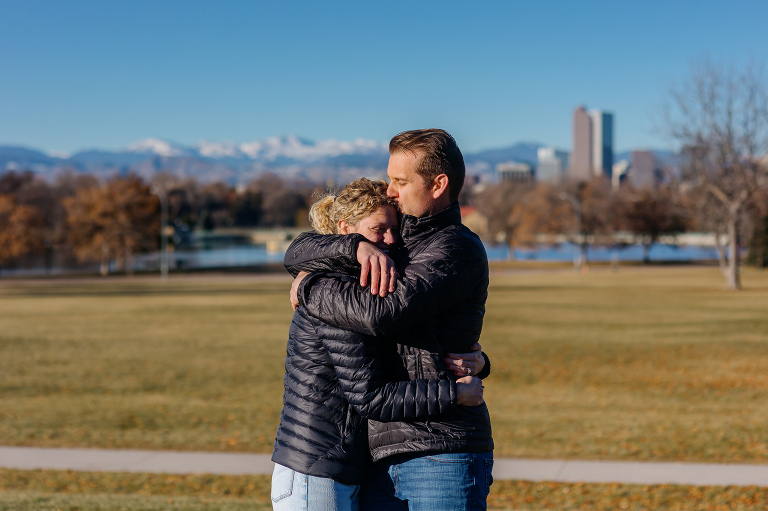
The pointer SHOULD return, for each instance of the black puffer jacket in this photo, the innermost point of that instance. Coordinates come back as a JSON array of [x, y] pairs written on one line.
[[437, 308], [333, 380]]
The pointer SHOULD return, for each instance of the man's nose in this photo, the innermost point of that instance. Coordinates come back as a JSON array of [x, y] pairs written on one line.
[[391, 190]]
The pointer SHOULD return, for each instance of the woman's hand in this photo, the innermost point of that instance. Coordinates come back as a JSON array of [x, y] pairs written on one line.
[[465, 364]]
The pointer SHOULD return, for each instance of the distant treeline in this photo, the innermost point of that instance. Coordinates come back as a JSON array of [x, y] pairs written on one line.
[[81, 218], [85, 219]]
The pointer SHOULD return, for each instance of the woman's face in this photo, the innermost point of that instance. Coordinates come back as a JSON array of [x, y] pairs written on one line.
[[380, 227]]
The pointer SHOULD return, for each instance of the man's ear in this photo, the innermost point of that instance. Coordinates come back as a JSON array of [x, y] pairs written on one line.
[[439, 185], [343, 226]]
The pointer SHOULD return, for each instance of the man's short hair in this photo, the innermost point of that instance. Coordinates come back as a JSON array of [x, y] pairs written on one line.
[[439, 155]]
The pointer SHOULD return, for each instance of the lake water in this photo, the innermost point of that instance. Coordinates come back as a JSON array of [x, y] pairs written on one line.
[[255, 255], [567, 252]]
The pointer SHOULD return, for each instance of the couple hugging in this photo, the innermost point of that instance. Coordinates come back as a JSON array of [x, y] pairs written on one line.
[[383, 406]]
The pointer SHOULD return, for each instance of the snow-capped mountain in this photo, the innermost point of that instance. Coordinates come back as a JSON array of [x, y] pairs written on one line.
[[290, 147], [289, 156], [159, 147], [210, 160]]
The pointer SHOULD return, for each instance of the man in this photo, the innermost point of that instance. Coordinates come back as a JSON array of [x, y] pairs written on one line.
[[436, 307]]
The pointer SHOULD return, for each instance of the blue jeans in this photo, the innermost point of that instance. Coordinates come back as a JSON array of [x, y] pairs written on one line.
[[435, 482], [294, 491]]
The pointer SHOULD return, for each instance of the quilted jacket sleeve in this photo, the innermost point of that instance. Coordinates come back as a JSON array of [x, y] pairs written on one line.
[[357, 364], [313, 252], [434, 281]]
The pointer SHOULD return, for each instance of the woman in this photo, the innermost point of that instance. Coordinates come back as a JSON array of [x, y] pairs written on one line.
[[334, 381]]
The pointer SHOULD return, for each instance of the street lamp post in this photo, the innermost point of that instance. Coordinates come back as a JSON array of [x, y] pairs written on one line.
[[579, 256], [156, 190]]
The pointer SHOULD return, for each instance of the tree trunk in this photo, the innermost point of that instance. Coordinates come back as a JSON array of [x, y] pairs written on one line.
[[646, 251], [732, 278], [129, 262], [104, 270]]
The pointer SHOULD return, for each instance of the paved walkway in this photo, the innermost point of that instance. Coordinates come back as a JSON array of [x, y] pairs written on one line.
[[566, 471]]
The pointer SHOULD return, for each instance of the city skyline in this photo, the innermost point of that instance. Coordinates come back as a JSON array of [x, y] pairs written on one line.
[[87, 74]]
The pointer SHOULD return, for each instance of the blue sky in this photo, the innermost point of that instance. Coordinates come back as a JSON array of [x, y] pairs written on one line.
[[103, 74]]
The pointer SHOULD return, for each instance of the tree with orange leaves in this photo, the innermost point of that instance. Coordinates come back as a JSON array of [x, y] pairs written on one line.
[[112, 222], [20, 229]]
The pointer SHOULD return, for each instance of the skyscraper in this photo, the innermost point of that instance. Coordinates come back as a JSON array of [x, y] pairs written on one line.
[[581, 156], [602, 143], [592, 144]]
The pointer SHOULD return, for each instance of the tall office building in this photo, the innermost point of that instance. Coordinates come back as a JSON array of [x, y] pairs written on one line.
[[581, 155], [592, 144], [602, 143]]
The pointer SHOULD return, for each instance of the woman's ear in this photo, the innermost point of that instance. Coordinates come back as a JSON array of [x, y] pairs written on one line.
[[343, 226]]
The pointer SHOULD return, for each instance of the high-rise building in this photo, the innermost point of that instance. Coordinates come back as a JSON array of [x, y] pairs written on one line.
[[644, 172], [592, 144], [551, 165], [581, 155], [602, 143]]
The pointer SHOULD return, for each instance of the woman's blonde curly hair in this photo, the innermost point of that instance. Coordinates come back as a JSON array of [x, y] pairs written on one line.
[[356, 201]]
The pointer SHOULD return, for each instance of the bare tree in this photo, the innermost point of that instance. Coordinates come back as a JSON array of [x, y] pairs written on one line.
[[593, 207], [720, 116], [649, 213]]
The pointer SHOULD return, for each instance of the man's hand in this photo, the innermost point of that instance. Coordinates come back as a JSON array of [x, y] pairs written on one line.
[[469, 391], [295, 289], [465, 364], [379, 266]]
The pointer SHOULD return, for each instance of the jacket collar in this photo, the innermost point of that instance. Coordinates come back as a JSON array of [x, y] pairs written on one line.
[[411, 226]]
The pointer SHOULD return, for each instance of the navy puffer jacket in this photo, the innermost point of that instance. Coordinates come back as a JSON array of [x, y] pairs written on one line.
[[333, 381], [436, 308]]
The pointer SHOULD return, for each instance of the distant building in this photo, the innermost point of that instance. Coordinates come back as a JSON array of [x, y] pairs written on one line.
[[602, 143], [619, 173], [551, 165], [645, 171], [592, 153], [514, 171], [581, 156]]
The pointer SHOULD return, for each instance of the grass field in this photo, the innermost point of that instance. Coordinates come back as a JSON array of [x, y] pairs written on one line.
[[66, 490], [642, 364]]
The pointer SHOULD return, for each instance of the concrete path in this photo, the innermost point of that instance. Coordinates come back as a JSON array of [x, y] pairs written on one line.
[[566, 471]]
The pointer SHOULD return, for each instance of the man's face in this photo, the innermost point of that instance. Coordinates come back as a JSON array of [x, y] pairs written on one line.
[[413, 196]]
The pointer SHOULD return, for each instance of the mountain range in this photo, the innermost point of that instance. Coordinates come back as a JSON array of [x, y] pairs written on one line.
[[289, 157]]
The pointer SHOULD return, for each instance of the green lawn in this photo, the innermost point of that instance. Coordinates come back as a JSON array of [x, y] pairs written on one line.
[[643, 364]]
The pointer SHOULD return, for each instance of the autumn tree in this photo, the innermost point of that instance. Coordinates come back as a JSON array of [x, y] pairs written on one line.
[[720, 117], [20, 229], [496, 202], [539, 211], [113, 222]]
